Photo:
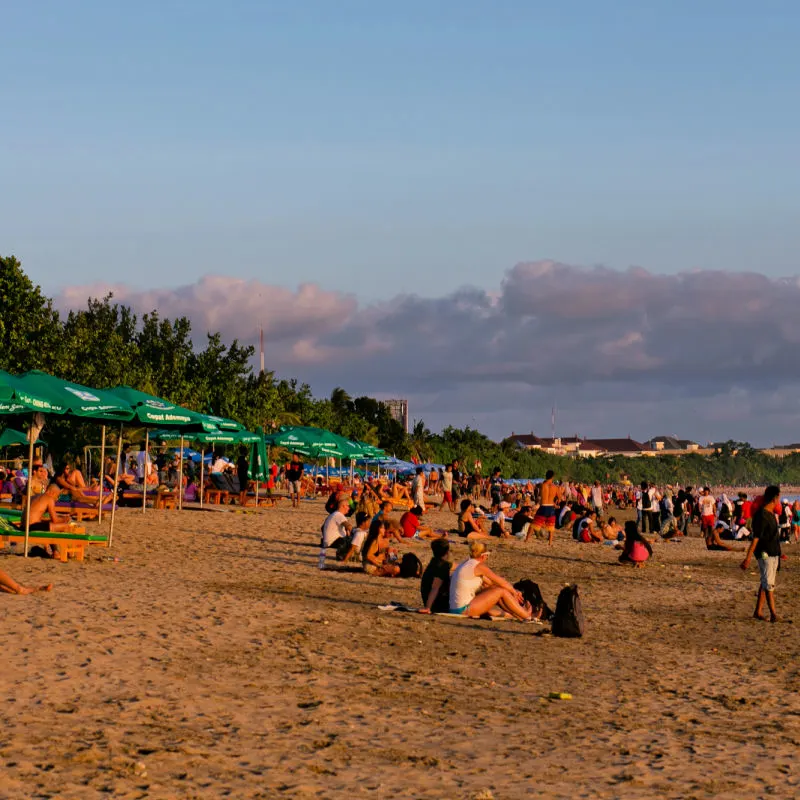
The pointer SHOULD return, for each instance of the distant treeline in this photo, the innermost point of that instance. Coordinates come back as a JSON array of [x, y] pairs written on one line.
[[107, 344]]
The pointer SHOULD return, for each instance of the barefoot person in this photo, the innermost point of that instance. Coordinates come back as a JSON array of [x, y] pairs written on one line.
[[545, 519], [476, 590], [10, 586], [766, 547]]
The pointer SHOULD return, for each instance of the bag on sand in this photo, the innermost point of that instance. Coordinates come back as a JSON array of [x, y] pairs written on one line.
[[568, 620], [343, 547], [410, 566], [531, 593]]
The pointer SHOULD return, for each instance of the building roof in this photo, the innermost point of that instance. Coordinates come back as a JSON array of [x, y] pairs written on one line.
[[627, 445], [526, 439]]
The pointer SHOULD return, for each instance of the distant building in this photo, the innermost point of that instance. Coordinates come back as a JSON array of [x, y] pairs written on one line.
[[671, 445], [579, 447], [398, 409]]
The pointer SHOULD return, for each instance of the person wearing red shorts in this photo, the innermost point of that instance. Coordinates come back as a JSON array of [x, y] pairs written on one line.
[[545, 517], [708, 511]]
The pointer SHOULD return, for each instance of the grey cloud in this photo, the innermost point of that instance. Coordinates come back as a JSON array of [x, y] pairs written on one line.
[[625, 349]]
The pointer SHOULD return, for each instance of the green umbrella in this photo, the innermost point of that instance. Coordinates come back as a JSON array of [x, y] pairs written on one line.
[[259, 466], [207, 437], [13, 403], [11, 438], [39, 391], [307, 441], [150, 410]]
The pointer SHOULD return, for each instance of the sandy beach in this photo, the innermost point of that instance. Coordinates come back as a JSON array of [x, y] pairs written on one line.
[[214, 659]]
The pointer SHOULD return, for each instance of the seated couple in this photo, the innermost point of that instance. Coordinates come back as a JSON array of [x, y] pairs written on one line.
[[472, 590], [369, 540], [585, 530]]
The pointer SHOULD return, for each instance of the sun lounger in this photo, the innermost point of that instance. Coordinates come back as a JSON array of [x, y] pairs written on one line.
[[72, 544]]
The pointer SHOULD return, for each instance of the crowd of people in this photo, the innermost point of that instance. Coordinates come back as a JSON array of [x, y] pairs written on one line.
[[490, 507]]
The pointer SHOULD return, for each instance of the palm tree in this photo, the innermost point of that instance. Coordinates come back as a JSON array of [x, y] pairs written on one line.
[[340, 400], [419, 441]]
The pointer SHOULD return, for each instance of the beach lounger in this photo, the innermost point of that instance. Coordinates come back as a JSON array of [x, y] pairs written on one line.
[[70, 545]]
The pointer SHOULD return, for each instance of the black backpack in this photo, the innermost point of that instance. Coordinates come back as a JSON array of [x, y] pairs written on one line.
[[645, 499], [410, 566], [568, 620], [531, 593]]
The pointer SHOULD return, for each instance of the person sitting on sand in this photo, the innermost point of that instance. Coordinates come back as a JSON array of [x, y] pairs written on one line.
[[357, 538], [611, 530], [521, 521], [411, 526], [498, 526], [476, 590], [375, 554], [435, 583], [336, 525], [10, 586], [468, 525], [585, 530], [636, 549], [714, 540]]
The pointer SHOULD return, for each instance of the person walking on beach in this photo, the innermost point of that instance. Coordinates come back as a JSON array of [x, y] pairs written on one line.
[[294, 473], [597, 498], [447, 488], [708, 511], [418, 489], [766, 547], [545, 518]]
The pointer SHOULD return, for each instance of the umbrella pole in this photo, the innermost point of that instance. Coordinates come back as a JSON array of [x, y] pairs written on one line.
[[116, 486], [202, 479], [144, 468], [102, 477], [180, 479], [29, 488]]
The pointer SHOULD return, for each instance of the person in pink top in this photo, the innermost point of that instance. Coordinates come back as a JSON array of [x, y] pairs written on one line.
[[636, 549]]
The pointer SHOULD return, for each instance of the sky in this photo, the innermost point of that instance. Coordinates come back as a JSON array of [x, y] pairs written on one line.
[[414, 197]]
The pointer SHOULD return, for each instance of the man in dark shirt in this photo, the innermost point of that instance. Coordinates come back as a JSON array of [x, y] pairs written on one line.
[[294, 472], [435, 583], [766, 547]]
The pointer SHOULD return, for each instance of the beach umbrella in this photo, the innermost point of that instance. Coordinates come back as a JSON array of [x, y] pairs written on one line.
[[307, 441], [47, 394], [154, 412], [12, 438]]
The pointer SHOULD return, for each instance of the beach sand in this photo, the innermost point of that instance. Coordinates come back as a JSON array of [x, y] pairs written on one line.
[[215, 660]]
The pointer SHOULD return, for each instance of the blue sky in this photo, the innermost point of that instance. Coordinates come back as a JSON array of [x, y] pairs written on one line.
[[379, 148]]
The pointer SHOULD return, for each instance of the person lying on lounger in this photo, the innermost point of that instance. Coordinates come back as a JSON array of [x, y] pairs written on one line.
[[71, 482], [10, 586]]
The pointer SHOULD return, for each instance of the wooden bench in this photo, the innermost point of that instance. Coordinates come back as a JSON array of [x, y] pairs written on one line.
[[167, 501]]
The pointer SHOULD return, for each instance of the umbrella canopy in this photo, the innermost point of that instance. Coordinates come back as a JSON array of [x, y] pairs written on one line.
[[259, 466], [11, 438], [38, 391], [207, 437], [151, 411], [313, 442]]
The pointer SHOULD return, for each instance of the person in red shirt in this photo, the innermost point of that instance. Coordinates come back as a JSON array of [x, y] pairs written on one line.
[[412, 527]]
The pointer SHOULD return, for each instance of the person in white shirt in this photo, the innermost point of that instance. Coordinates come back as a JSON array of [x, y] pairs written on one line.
[[476, 590], [597, 498], [418, 489], [336, 525], [358, 537], [645, 506], [708, 510], [144, 466]]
